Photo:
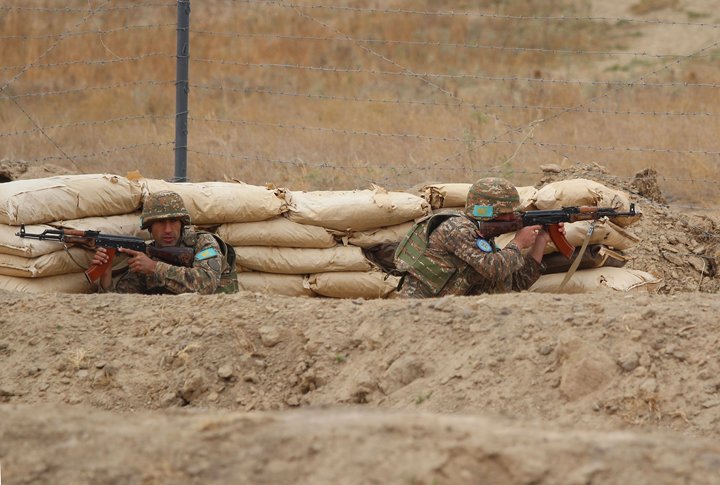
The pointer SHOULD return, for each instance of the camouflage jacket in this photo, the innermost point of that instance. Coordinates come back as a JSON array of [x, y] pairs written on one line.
[[213, 274], [455, 243]]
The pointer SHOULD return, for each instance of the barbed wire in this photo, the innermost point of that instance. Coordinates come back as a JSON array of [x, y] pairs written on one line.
[[91, 62], [419, 167], [472, 14], [469, 105], [73, 10], [357, 70], [426, 13], [101, 153], [89, 13], [88, 123], [87, 88], [390, 42], [464, 140], [125, 28], [530, 128], [405, 72]]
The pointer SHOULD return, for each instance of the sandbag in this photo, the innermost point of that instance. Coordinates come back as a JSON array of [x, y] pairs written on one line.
[[38, 201], [383, 235], [453, 195], [583, 192], [10, 243], [445, 195], [605, 233], [300, 260], [72, 260], [273, 284], [119, 225], [587, 280], [356, 210], [212, 203], [356, 284], [595, 256], [279, 231], [66, 283]]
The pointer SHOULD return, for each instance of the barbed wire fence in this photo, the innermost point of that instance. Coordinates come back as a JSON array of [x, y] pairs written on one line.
[[322, 96]]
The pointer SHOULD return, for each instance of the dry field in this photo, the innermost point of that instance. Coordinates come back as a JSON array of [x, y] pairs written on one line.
[[395, 93]]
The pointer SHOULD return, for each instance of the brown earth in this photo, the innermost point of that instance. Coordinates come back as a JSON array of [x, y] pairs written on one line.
[[250, 388]]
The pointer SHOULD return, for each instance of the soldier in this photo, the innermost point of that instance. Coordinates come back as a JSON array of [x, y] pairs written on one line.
[[447, 254], [165, 216]]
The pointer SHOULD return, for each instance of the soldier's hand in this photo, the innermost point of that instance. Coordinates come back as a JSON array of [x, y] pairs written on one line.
[[525, 237], [544, 236], [139, 262], [101, 257]]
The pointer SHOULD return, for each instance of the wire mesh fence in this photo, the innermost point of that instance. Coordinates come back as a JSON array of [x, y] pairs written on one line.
[[327, 96]]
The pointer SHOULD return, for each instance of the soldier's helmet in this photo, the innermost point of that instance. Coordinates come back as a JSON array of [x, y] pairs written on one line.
[[491, 197], [163, 205]]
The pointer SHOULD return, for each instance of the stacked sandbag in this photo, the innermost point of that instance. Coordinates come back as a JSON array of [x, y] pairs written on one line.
[[316, 246], [100, 202]]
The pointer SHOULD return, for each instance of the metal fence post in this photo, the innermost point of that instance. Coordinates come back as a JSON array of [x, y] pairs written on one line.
[[182, 89]]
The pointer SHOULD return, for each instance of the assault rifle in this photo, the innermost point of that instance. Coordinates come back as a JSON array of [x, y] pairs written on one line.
[[177, 256], [550, 219]]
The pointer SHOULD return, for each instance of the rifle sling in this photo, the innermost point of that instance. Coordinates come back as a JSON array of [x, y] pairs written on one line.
[[578, 257]]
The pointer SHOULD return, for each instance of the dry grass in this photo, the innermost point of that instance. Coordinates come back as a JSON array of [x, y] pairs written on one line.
[[321, 140]]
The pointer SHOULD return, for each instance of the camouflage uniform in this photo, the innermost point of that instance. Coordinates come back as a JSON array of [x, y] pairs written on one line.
[[211, 275], [211, 272], [458, 260], [453, 243]]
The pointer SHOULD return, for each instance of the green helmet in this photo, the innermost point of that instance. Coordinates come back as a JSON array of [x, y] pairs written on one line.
[[163, 205], [491, 197]]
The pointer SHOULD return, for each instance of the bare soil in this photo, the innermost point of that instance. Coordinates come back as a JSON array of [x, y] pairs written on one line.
[[519, 388]]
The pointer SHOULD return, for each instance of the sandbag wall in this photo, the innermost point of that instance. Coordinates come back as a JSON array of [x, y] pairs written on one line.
[[604, 261], [287, 242], [291, 243], [315, 247]]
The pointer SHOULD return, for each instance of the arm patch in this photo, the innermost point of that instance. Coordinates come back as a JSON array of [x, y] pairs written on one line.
[[206, 254]]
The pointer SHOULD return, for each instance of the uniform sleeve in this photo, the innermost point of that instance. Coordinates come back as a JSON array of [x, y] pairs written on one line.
[[527, 275], [130, 283], [203, 277], [459, 237]]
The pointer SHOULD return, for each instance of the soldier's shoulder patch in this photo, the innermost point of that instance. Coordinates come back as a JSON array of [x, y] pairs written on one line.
[[206, 254], [484, 245]]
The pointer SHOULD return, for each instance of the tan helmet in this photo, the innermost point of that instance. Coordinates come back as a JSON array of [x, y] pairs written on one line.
[[491, 197], [163, 205]]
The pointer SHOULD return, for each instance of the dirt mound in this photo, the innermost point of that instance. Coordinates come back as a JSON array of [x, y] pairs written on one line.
[[19, 170], [350, 446], [635, 363]]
